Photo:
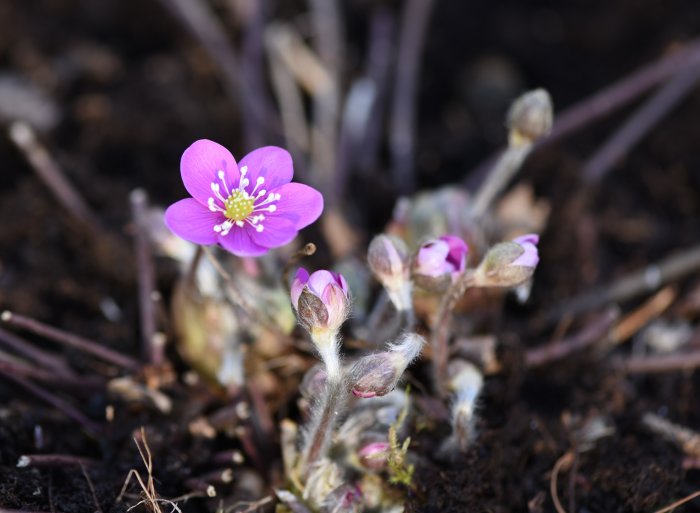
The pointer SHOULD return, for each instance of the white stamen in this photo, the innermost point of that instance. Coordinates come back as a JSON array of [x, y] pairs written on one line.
[[222, 177], [269, 208], [211, 203], [259, 228], [215, 190], [217, 228], [261, 192], [239, 224], [244, 170], [258, 183]]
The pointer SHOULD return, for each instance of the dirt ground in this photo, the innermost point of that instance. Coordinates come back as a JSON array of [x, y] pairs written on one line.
[[117, 90]]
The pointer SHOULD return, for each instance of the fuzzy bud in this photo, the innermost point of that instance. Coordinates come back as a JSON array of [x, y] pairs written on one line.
[[466, 383], [530, 118], [314, 382], [439, 262], [377, 374], [373, 455], [388, 259], [320, 300], [508, 264]]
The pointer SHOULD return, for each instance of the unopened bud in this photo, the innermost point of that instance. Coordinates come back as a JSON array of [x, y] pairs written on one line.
[[530, 117], [344, 499], [466, 382], [377, 374], [439, 262], [314, 382], [321, 300], [373, 455], [508, 264], [389, 261]]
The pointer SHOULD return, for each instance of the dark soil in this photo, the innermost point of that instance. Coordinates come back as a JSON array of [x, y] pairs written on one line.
[[132, 89]]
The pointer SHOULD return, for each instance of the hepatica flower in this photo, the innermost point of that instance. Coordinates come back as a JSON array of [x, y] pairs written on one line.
[[247, 208], [439, 262], [321, 299]]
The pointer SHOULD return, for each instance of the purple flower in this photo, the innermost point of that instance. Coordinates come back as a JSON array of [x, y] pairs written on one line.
[[321, 299], [248, 208], [530, 257], [438, 257]]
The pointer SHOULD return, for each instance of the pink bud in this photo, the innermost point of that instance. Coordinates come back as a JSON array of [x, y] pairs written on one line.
[[373, 455], [321, 300], [439, 262], [388, 258], [377, 374], [508, 264]]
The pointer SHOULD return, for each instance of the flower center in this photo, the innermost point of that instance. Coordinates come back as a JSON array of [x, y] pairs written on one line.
[[241, 206], [238, 205]]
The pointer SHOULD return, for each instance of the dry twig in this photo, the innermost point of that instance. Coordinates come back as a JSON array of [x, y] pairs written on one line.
[[68, 339], [152, 344]]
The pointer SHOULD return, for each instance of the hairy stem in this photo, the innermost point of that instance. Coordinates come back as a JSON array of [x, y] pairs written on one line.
[[440, 333], [326, 413]]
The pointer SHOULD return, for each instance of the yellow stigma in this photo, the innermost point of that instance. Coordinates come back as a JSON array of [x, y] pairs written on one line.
[[238, 205]]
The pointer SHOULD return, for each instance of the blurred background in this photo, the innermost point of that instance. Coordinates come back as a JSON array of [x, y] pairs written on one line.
[[376, 100]]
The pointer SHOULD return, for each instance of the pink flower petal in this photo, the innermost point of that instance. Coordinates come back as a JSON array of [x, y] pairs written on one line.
[[238, 242], [199, 167], [319, 280], [270, 162], [431, 258], [192, 221], [298, 285], [277, 231], [299, 203], [458, 251]]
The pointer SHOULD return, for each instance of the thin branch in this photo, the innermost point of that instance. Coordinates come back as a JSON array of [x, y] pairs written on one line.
[[640, 124], [152, 347], [55, 401], [26, 349], [562, 463], [634, 284], [54, 460], [68, 339], [414, 24], [685, 439], [679, 502], [82, 384], [48, 170], [659, 364], [593, 333]]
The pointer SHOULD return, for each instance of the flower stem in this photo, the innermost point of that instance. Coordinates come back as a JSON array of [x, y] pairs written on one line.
[[324, 419], [440, 331], [326, 410], [499, 176]]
